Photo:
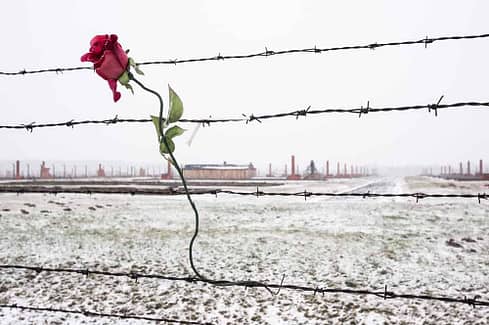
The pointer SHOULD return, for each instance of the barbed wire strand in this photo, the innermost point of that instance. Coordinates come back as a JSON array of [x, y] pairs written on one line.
[[258, 193], [384, 294], [259, 118], [89, 313], [266, 53]]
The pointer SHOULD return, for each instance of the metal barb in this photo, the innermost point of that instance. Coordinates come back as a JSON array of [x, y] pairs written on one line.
[[373, 46], [427, 41], [252, 118], [29, 127], [114, 120], [482, 196], [302, 112], [70, 123], [365, 110], [435, 106], [281, 284]]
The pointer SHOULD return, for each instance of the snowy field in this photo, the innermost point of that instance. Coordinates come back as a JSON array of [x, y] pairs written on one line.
[[328, 242]]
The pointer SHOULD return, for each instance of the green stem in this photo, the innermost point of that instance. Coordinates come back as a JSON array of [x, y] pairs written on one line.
[[180, 173]]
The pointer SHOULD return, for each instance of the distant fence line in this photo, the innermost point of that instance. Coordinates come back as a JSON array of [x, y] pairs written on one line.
[[266, 53]]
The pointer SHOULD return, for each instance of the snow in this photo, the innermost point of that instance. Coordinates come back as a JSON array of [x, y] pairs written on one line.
[[328, 242]]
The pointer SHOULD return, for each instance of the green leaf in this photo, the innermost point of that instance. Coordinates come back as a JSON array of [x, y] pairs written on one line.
[[138, 71], [128, 86], [156, 123], [176, 106], [174, 131], [164, 149], [133, 64]]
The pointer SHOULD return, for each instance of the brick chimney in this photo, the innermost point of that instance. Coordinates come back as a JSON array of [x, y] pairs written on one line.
[[17, 169]]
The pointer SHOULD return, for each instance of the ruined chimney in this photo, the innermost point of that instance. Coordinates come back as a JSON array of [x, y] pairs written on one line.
[[17, 169], [292, 169]]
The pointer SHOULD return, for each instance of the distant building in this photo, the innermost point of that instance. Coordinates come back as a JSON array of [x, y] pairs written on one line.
[[215, 171]]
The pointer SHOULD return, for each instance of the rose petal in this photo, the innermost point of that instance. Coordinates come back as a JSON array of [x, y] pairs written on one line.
[[109, 66], [113, 87], [121, 55], [98, 44], [89, 57], [113, 38]]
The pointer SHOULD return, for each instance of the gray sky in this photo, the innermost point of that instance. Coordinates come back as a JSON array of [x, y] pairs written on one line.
[[42, 34]]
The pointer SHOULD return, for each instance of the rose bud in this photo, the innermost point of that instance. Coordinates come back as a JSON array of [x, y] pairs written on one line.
[[109, 60]]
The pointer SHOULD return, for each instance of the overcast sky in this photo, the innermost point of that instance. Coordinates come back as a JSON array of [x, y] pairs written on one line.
[[45, 34]]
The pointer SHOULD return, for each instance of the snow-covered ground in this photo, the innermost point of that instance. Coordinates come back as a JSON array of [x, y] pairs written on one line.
[[327, 242]]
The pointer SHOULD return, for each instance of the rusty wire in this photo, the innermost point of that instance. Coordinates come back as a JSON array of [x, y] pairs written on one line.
[[384, 294], [259, 118], [22, 189], [266, 53], [89, 313]]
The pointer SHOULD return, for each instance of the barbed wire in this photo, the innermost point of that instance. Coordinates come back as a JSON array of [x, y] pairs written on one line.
[[258, 193], [266, 53], [89, 313], [384, 294], [259, 118]]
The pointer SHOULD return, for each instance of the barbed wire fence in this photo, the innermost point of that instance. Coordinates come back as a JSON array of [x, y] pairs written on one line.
[[268, 53], [170, 191], [259, 118], [384, 294], [89, 313], [246, 119]]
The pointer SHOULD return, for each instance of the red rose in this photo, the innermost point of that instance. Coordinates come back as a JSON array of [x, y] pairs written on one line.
[[109, 60]]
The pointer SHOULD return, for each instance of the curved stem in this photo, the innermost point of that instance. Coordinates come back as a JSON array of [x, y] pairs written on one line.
[[180, 173]]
